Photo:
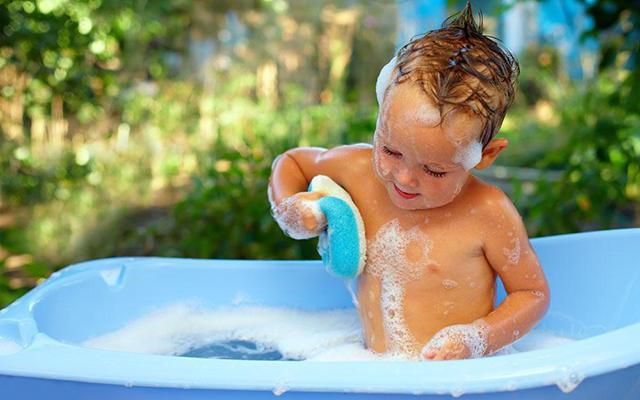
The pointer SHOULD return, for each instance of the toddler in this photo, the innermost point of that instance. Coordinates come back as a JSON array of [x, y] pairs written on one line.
[[437, 236]]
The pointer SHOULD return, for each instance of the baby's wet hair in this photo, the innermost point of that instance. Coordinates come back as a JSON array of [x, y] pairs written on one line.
[[460, 67]]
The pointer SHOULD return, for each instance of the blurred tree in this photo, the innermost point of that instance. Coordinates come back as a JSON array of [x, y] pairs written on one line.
[[600, 128], [74, 55], [617, 28]]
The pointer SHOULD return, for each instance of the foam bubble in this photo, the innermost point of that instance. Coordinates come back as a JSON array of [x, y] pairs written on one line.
[[350, 283], [381, 168], [281, 387], [388, 259], [388, 252], [179, 328], [513, 254], [239, 298], [539, 339], [428, 114], [310, 335], [458, 189], [449, 284], [384, 80], [399, 339], [468, 156], [302, 335], [570, 381]]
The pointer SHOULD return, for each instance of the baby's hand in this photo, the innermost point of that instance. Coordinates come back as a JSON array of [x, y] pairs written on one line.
[[457, 342], [452, 348], [299, 216]]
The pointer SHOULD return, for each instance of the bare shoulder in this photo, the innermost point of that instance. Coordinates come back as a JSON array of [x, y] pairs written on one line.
[[356, 154], [343, 164], [349, 162], [498, 223], [492, 203]]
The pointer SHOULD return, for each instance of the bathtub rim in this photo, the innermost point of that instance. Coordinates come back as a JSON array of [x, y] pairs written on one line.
[[585, 358]]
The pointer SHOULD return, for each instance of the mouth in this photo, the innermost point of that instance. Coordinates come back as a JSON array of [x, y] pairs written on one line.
[[404, 194]]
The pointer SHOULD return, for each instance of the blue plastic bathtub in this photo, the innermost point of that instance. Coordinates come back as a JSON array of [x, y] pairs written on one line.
[[594, 278]]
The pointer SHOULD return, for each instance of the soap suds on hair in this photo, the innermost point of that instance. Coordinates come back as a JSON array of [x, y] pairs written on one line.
[[384, 80], [468, 156]]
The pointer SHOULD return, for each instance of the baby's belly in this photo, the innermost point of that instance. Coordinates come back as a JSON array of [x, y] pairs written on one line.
[[400, 316]]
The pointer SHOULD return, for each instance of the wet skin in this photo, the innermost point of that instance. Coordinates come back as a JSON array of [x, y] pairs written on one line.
[[461, 232]]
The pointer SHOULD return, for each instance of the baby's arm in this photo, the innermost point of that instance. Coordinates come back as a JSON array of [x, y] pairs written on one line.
[[510, 254], [293, 207], [507, 248]]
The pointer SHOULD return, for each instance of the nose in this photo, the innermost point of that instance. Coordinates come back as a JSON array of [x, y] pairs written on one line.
[[404, 176]]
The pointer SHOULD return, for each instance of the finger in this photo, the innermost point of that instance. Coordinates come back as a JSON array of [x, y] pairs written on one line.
[[309, 221], [449, 355], [429, 352], [310, 195], [429, 355]]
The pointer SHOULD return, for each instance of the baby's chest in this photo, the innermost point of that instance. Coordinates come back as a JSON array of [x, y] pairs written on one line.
[[424, 256]]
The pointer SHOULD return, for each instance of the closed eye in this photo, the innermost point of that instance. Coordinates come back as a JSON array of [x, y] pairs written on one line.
[[436, 174], [387, 151]]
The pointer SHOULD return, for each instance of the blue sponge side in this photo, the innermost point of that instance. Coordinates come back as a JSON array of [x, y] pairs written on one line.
[[342, 245], [339, 244]]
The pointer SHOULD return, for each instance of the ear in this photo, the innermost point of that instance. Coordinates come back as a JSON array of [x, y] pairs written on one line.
[[490, 153]]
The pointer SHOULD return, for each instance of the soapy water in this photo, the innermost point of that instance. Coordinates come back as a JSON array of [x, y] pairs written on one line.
[[237, 350], [241, 333], [263, 333]]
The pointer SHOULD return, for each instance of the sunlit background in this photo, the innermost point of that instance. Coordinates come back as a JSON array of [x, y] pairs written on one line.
[[133, 127]]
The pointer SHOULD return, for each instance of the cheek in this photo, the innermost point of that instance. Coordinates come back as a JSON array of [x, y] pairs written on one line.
[[382, 164], [443, 190], [454, 186]]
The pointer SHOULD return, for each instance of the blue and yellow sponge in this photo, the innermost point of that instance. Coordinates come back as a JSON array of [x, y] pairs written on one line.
[[342, 245]]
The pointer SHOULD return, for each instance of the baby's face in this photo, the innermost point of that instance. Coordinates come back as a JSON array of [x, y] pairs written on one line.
[[423, 163]]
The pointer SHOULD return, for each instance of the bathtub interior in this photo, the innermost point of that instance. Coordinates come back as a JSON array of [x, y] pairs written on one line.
[[595, 288], [135, 288]]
